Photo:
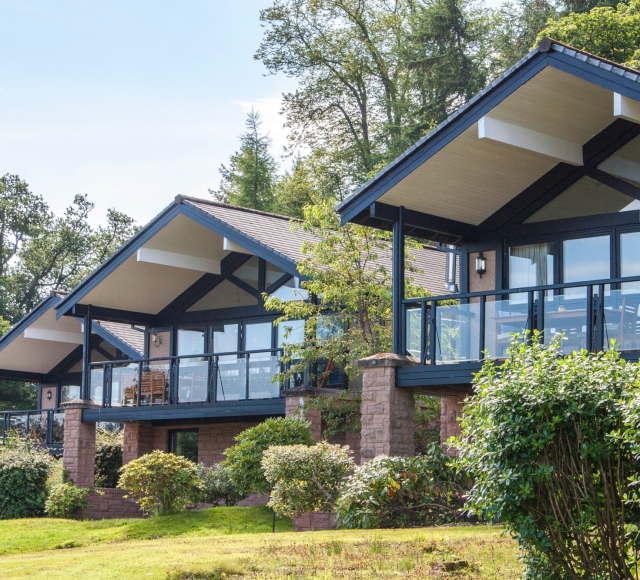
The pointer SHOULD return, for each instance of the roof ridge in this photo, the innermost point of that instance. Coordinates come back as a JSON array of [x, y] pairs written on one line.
[[237, 207]]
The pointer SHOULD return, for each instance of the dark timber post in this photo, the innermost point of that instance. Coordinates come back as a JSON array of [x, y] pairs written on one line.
[[398, 283], [86, 356]]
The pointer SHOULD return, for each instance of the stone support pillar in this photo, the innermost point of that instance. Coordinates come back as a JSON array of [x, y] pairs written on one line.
[[387, 411], [138, 441], [294, 407], [79, 456], [450, 410]]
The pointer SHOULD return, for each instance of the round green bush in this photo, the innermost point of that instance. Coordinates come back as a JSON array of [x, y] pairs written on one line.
[[217, 485], [66, 500], [161, 483], [24, 471], [396, 492]]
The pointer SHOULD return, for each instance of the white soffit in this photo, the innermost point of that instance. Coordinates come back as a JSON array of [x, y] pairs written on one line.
[[626, 108], [175, 260], [230, 246], [470, 178]]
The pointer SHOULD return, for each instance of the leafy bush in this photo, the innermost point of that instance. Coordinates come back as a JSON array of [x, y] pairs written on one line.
[[66, 500], [549, 441], [108, 457], [305, 479], [217, 485], [24, 470], [244, 459], [161, 483], [395, 492]]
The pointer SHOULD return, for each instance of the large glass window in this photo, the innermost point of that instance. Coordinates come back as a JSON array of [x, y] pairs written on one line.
[[230, 372], [586, 259], [530, 265], [290, 291], [192, 372], [262, 366], [630, 255], [290, 332], [70, 392]]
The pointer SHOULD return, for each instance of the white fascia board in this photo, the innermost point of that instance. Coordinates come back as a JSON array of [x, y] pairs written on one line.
[[517, 136], [230, 246], [622, 168], [178, 260], [53, 335], [626, 108]]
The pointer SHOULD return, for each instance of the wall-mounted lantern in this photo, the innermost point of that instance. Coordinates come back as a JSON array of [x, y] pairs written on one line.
[[156, 339], [49, 395], [481, 264]]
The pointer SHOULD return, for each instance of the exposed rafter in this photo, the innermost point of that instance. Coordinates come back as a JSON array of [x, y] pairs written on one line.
[[53, 335], [614, 182], [621, 167], [174, 260], [516, 136], [626, 108]]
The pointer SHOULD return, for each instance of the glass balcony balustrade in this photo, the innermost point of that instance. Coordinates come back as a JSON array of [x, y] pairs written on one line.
[[43, 428], [470, 327]]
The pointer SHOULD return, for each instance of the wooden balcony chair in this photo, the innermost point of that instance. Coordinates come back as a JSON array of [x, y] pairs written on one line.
[[154, 387]]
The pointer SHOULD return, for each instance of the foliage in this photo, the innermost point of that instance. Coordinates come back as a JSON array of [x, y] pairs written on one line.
[[305, 479], [349, 315], [402, 491], [161, 483], [372, 77], [339, 414], [16, 395], [245, 457], [609, 32], [426, 422], [541, 438], [218, 485], [24, 470], [250, 178], [108, 457], [66, 500]]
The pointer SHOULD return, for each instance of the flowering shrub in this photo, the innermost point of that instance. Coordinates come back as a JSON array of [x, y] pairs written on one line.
[[161, 483], [305, 479], [66, 500], [217, 485], [24, 470], [552, 443], [244, 459], [395, 492]]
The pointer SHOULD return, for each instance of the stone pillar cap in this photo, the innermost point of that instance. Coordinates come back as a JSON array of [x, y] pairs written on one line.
[[388, 359], [79, 404]]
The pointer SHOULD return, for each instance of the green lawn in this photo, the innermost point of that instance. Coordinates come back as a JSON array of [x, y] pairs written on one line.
[[236, 542]]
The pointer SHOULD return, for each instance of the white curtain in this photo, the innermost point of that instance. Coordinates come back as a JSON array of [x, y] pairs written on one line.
[[530, 265]]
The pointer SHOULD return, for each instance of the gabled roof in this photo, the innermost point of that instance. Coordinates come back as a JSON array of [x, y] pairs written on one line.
[[394, 185], [30, 358]]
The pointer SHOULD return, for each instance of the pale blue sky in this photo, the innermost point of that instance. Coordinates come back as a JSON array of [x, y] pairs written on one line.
[[130, 101]]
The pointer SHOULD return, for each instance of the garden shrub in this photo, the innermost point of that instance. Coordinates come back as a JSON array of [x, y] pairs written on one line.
[[396, 492], [549, 441], [161, 483], [217, 485], [305, 479], [108, 457], [244, 459], [66, 500], [24, 470]]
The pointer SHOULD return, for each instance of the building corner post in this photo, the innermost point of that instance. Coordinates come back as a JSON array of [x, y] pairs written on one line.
[[398, 268], [86, 356]]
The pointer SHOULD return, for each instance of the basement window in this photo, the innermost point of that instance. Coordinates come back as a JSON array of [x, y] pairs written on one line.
[[184, 442]]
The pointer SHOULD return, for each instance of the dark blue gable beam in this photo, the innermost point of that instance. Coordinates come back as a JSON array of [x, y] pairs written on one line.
[[114, 315], [22, 376], [116, 341], [474, 111], [614, 182], [219, 314]]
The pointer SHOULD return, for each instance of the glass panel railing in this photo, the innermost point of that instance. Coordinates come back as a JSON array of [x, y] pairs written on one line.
[[567, 314], [262, 368], [621, 321], [58, 428], [413, 321], [155, 383], [97, 385], [18, 423], [231, 379], [502, 319], [457, 333], [192, 380], [38, 427], [124, 384]]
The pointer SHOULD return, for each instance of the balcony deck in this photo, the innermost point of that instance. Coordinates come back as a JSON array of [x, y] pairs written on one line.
[[450, 335]]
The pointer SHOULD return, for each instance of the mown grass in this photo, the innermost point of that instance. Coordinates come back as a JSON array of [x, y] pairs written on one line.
[[35, 535], [207, 546]]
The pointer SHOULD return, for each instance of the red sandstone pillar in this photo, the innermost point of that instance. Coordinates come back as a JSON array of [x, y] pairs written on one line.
[[294, 407], [79, 454], [450, 411], [138, 441], [387, 411]]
